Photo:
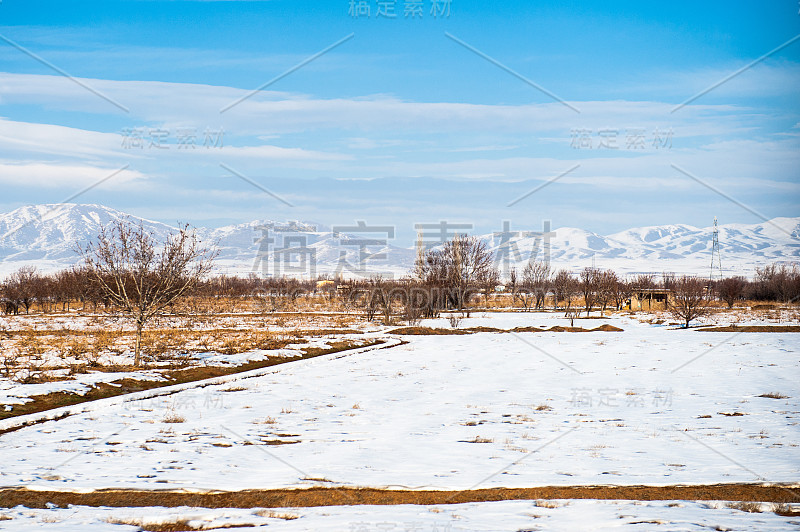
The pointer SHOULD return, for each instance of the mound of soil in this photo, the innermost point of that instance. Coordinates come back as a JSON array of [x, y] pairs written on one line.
[[607, 328], [427, 330], [471, 330]]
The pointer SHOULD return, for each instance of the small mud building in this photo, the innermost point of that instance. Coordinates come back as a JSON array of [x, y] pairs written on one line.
[[650, 299]]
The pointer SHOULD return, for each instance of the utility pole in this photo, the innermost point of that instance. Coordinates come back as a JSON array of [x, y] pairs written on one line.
[[716, 260]]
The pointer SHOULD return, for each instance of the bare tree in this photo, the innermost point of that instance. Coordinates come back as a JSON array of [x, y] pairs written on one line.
[[623, 290], [611, 290], [731, 289], [141, 276], [690, 299], [512, 284], [381, 294], [526, 297], [459, 269], [564, 288], [536, 278], [488, 284], [777, 282], [644, 282], [589, 282], [23, 287], [668, 280]]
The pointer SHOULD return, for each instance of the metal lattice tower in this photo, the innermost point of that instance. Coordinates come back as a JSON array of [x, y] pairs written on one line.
[[716, 259]]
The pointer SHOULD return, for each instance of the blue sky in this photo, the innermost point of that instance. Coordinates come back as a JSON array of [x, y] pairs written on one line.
[[401, 123]]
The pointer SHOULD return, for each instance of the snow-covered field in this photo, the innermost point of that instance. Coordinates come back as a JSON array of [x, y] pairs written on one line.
[[13, 392], [647, 405], [487, 516]]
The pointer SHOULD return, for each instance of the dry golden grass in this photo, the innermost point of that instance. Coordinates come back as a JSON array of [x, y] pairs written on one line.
[[322, 496], [785, 510], [478, 439], [774, 395], [276, 515], [173, 418], [547, 504], [746, 506]]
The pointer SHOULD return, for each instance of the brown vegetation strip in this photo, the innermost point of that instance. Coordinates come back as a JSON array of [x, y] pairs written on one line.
[[753, 328], [323, 496], [156, 332], [473, 330], [41, 403]]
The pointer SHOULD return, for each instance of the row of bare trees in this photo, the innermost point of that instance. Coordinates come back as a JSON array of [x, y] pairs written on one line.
[[28, 287], [127, 269], [596, 288]]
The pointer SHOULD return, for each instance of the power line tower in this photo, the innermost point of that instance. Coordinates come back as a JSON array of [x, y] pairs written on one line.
[[716, 260]]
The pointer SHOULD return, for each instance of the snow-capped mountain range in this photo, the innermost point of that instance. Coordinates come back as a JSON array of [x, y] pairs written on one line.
[[48, 237]]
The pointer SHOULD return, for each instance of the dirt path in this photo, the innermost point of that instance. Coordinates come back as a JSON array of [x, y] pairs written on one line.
[[324, 496]]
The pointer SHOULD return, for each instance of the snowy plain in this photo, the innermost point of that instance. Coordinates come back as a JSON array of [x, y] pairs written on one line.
[[13, 392], [648, 405], [633, 516]]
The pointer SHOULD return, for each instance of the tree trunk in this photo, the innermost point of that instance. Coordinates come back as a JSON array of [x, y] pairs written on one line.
[[137, 352]]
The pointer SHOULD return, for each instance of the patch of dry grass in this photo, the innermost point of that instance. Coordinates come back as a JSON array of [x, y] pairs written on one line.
[[547, 504], [774, 395], [745, 506], [478, 439], [785, 510], [276, 515]]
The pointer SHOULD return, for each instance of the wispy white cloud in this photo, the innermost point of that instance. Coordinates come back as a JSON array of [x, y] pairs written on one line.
[[72, 177]]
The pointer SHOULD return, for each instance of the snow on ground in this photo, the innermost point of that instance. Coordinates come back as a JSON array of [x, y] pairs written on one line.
[[510, 320], [14, 393], [487, 516], [648, 405]]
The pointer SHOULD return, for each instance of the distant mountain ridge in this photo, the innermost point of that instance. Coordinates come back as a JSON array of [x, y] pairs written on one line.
[[47, 236]]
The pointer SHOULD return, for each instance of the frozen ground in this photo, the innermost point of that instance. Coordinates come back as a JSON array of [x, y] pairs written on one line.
[[648, 405], [488, 516], [14, 393], [723, 317]]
